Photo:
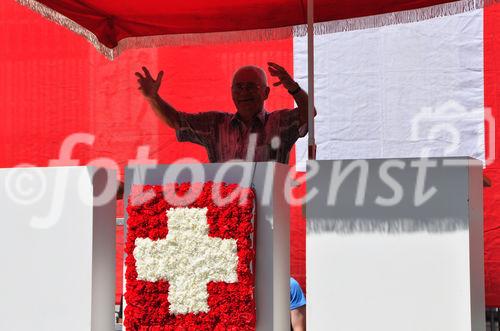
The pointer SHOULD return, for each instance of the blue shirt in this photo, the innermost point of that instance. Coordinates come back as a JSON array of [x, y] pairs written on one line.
[[297, 298]]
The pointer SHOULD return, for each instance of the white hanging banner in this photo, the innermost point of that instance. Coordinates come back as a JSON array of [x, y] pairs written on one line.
[[406, 90]]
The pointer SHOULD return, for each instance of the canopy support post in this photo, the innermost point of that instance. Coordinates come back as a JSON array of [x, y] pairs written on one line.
[[310, 80]]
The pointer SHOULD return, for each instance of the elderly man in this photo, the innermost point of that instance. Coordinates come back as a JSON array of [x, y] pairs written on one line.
[[252, 133]]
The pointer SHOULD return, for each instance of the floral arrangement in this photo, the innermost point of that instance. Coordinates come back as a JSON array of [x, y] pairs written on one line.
[[189, 263]]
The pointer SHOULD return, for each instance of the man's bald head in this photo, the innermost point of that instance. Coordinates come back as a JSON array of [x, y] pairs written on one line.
[[251, 74]]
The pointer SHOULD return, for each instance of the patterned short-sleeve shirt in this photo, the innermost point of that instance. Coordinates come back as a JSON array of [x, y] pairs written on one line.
[[270, 137]]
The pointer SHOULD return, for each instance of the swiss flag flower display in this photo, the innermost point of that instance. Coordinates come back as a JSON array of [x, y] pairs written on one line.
[[189, 260]]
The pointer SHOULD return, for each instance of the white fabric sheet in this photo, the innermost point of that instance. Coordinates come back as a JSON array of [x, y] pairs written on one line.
[[371, 85]]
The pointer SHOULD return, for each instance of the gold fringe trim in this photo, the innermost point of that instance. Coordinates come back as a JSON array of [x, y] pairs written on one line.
[[188, 39], [401, 17], [367, 22], [62, 20]]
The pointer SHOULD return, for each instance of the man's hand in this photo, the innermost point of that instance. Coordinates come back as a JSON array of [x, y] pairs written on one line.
[[149, 88], [284, 77], [299, 95], [147, 85]]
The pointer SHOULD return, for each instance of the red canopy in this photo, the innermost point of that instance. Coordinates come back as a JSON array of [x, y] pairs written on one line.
[[109, 23]]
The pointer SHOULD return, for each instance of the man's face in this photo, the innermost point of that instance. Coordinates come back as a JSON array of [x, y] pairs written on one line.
[[249, 91]]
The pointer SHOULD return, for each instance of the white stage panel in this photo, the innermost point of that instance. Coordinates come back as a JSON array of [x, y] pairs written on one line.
[[409, 266], [57, 250]]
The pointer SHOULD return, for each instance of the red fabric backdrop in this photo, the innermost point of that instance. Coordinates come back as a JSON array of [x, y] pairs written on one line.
[[53, 84], [492, 194]]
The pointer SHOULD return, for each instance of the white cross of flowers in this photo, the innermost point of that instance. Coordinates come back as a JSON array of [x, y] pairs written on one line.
[[188, 259]]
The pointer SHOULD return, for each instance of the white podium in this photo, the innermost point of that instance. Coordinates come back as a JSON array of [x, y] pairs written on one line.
[[57, 250], [273, 225], [395, 252]]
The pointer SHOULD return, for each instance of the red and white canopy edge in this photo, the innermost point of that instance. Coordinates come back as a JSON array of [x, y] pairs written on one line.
[[113, 26]]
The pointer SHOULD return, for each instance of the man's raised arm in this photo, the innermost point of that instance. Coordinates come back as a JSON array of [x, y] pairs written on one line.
[[149, 88], [299, 95]]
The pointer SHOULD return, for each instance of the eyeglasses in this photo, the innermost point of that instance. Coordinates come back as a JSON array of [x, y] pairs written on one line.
[[250, 87]]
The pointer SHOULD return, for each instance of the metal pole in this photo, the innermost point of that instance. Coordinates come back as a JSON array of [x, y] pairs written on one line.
[[310, 79]]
